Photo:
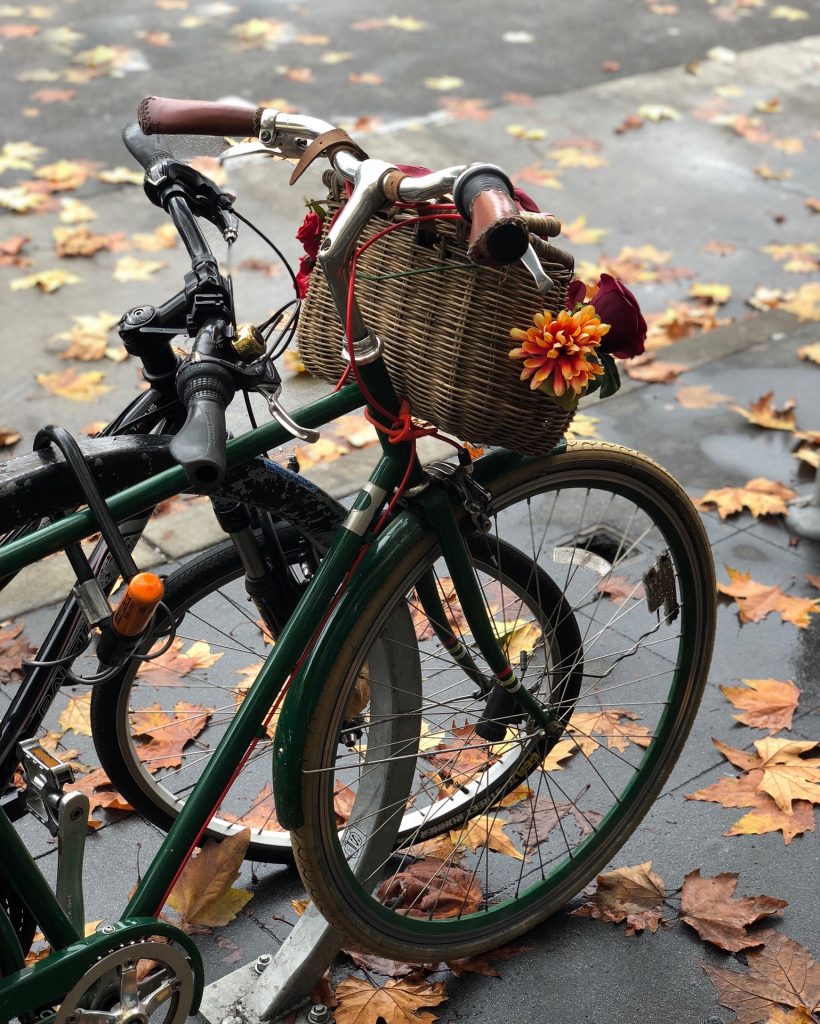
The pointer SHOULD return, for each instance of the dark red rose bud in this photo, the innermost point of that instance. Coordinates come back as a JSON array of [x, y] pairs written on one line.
[[617, 306], [310, 233]]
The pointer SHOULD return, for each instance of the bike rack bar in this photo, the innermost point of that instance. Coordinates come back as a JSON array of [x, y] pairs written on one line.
[[803, 517]]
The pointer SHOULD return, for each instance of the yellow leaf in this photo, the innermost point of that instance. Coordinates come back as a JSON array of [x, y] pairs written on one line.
[[405, 24], [582, 426], [560, 752], [517, 637], [805, 303], [579, 233], [572, 156], [46, 280], [88, 336], [766, 172], [788, 13], [257, 31], [20, 200], [716, 293], [485, 831], [164, 237], [75, 212], [293, 361], [121, 176], [79, 387], [129, 268], [444, 84], [19, 156], [658, 112], [203, 895], [519, 131], [77, 715], [700, 396], [809, 455]]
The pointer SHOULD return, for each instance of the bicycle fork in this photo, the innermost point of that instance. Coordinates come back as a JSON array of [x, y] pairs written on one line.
[[439, 512]]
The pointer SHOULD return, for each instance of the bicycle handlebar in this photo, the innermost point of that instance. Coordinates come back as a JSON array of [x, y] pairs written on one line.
[[161, 116], [146, 149]]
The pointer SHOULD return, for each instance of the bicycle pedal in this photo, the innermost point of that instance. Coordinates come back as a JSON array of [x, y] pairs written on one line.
[[45, 777]]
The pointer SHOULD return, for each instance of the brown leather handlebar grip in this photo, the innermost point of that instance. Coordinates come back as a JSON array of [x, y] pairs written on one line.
[[161, 116], [498, 234]]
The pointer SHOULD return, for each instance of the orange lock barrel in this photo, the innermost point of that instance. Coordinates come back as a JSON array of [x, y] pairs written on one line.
[[133, 613]]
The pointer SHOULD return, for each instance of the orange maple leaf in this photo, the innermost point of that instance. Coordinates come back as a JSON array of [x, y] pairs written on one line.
[[757, 600], [766, 703]]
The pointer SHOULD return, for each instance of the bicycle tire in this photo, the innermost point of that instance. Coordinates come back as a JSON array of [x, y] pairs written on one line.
[[118, 702], [113, 703], [410, 913]]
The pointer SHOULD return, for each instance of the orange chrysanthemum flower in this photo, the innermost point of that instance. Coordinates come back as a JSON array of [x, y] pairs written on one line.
[[556, 351]]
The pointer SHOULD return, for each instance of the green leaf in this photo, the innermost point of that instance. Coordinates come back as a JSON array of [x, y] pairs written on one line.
[[612, 379]]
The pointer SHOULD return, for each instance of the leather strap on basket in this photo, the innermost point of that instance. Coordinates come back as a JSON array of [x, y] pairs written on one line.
[[161, 116], [326, 144]]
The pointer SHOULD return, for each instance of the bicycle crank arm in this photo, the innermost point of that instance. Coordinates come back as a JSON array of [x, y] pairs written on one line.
[[72, 818]]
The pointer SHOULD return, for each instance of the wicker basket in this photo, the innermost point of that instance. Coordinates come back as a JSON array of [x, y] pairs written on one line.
[[445, 331]]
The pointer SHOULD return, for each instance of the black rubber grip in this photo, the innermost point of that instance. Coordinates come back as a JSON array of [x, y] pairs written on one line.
[[146, 149], [476, 179], [199, 447]]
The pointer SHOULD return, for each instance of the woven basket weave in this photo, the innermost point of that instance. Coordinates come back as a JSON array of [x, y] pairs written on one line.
[[445, 332]]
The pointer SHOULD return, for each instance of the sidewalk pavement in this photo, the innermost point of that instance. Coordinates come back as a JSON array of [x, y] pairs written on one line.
[[577, 969], [677, 184]]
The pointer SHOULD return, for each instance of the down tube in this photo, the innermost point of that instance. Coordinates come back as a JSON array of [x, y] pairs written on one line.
[[290, 645]]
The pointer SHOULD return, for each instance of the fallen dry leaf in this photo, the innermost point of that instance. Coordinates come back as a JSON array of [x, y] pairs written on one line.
[[88, 337], [431, 888], [757, 600], [77, 715], [539, 817], [763, 413], [164, 237], [619, 589], [396, 1002], [760, 496], [617, 726], [11, 251], [8, 437], [765, 298], [635, 895], [14, 646], [653, 371], [167, 734], [81, 241], [203, 895], [700, 396], [789, 773], [580, 234], [709, 906], [805, 303], [72, 211], [79, 387], [130, 268], [782, 973], [97, 787], [810, 352], [168, 668], [485, 831], [719, 294], [766, 703], [47, 281]]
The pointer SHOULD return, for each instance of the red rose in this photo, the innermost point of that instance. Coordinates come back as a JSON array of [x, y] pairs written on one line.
[[310, 233], [617, 306], [306, 264]]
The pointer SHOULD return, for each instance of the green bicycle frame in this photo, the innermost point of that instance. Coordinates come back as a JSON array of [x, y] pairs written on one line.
[[294, 644]]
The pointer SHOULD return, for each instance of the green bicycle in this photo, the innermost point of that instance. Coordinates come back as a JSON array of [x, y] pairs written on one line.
[[445, 646]]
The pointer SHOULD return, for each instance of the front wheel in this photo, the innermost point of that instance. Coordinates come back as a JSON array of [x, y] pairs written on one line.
[[634, 575]]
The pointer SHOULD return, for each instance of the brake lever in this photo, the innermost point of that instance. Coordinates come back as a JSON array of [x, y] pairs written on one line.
[[271, 392], [543, 282]]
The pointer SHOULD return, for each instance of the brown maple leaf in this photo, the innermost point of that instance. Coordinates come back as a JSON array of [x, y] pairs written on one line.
[[11, 249], [76, 715], [782, 973], [634, 895], [760, 496], [461, 758], [79, 387], [396, 1002], [708, 905], [14, 647], [617, 726], [431, 888], [537, 818], [763, 413], [766, 703], [654, 371], [757, 600], [203, 895], [168, 735]]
